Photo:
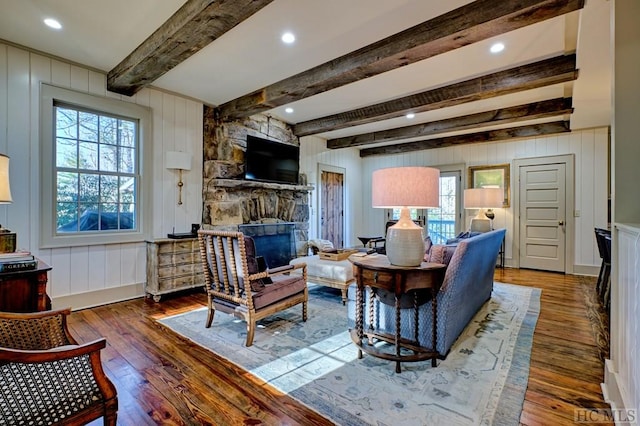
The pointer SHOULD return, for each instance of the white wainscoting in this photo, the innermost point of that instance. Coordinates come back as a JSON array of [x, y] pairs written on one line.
[[177, 126], [621, 386]]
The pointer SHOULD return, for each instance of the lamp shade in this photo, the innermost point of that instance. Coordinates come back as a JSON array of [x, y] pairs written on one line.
[[413, 187], [5, 188], [177, 160], [483, 198], [405, 187]]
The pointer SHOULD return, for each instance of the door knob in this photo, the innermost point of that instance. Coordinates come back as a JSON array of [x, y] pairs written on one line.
[[561, 223]]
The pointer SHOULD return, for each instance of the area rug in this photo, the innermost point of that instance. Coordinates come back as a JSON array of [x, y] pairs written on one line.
[[481, 382]]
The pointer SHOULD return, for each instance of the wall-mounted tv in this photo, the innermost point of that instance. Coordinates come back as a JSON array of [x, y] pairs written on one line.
[[271, 161]]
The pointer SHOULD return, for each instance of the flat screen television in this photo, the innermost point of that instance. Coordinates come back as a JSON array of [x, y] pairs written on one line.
[[271, 161]]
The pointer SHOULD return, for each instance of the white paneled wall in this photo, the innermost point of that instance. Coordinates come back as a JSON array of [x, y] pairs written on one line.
[[622, 373], [177, 126], [590, 148]]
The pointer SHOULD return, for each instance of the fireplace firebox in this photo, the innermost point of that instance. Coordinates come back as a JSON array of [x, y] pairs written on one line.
[[275, 242]]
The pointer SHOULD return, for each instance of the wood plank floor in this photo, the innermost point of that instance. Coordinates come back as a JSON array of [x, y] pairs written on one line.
[[163, 379]]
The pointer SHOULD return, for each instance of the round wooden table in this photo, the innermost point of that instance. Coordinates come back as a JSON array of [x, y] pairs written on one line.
[[376, 272]]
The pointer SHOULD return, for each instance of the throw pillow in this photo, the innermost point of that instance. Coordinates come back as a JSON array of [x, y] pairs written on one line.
[[427, 244], [463, 235], [320, 245], [441, 253]]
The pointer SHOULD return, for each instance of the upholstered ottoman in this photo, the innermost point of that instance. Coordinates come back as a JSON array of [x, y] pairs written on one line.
[[330, 273]]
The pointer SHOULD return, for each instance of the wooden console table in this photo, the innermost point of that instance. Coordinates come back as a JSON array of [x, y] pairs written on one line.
[[25, 291], [377, 273], [173, 265]]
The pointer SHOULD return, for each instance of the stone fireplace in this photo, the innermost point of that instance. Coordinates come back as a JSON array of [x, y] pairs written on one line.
[[229, 200]]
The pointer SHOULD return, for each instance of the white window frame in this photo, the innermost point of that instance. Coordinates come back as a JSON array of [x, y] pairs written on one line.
[[49, 238]]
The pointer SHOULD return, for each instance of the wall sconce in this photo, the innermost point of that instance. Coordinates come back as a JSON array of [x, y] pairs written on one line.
[[177, 160]]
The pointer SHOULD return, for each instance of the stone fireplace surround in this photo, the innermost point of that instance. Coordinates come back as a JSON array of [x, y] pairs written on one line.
[[228, 199]]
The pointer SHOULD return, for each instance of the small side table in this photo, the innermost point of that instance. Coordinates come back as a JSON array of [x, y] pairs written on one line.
[[25, 291], [377, 272]]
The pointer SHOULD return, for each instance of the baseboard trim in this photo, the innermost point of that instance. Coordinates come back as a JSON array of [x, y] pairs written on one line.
[[590, 270], [95, 298], [611, 391]]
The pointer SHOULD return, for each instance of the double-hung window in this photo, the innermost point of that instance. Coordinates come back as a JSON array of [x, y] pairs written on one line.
[[92, 149]]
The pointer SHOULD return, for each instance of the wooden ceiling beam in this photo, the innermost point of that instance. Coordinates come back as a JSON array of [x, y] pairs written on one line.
[[559, 69], [471, 138], [531, 111], [460, 27], [196, 24]]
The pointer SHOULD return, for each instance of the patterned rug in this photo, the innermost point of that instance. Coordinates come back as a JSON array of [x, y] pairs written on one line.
[[482, 381]]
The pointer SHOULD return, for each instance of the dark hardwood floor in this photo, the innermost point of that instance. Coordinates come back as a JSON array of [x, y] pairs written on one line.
[[164, 379]]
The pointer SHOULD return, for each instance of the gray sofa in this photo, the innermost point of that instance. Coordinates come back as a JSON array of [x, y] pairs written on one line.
[[467, 285]]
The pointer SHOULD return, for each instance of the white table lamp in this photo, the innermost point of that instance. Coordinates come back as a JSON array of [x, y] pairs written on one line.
[[483, 198], [405, 187]]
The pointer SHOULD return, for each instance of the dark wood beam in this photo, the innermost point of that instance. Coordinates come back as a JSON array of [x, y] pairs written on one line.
[[479, 137], [532, 111], [556, 70], [196, 24], [468, 24]]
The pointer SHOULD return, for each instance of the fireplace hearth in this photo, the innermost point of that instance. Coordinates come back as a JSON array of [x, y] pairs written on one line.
[[275, 242]]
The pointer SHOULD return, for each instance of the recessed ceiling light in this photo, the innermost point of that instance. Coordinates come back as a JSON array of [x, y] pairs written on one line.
[[52, 23], [288, 110], [497, 47], [410, 115], [288, 38]]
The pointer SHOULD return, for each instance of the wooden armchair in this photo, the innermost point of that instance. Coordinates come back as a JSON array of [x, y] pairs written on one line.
[[46, 377], [235, 285]]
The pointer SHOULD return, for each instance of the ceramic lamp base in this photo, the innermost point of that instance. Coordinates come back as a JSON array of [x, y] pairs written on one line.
[[480, 223], [405, 242]]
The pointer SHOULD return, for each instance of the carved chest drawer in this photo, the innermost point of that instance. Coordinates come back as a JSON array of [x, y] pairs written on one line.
[[173, 265]]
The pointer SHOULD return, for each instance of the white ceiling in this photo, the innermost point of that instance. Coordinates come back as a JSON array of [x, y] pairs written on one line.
[[100, 34]]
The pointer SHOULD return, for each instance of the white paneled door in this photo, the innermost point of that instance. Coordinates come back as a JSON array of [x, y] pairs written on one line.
[[543, 217]]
